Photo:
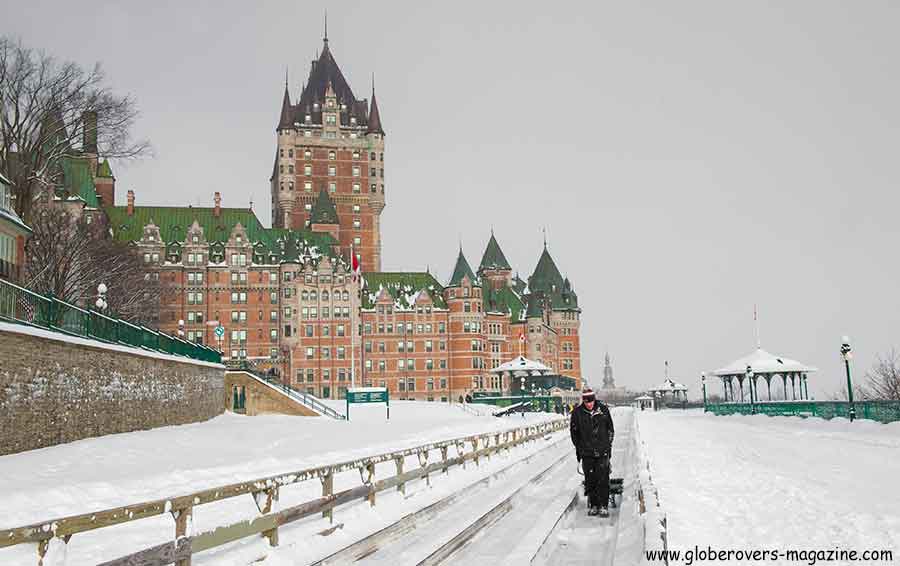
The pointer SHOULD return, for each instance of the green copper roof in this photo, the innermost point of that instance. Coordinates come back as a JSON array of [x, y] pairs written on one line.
[[535, 308], [270, 245], [402, 287], [546, 276], [103, 169], [461, 270], [78, 180], [503, 300], [493, 257], [323, 211]]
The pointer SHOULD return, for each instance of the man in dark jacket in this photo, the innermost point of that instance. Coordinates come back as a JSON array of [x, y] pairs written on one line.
[[592, 432]]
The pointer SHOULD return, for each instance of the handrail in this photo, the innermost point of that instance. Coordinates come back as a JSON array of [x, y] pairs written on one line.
[[882, 411], [265, 491], [302, 397], [21, 306]]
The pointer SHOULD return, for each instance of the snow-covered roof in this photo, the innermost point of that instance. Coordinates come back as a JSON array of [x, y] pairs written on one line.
[[643, 398], [761, 361], [669, 386], [521, 364]]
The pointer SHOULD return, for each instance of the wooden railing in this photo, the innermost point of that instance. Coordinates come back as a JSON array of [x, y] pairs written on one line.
[[265, 492]]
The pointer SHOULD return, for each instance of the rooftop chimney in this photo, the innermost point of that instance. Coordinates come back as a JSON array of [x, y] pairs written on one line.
[[130, 202], [89, 133], [217, 198]]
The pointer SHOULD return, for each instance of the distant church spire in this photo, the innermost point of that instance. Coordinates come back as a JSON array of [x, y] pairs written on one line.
[[608, 381]]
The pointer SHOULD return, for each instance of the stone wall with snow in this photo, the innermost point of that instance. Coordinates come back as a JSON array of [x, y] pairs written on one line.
[[56, 388]]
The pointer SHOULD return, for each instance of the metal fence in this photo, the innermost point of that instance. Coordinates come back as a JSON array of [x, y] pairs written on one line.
[[22, 306], [882, 411], [265, 491]]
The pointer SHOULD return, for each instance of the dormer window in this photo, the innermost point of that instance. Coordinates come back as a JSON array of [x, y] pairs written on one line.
[[353, 120], [238, 239], [331, 103], [315, 105], [331, 119], [307, 118], [195, 239]]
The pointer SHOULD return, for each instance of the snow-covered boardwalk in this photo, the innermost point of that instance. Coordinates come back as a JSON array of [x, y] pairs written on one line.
[[775, 482], [122, 469]]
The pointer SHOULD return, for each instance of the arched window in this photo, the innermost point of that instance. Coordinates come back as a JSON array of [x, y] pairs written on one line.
[[324, 295], [305, 295], [346, 296], [312, 295]]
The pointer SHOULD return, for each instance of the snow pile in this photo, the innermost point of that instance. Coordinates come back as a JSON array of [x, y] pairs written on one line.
[[775, 482]]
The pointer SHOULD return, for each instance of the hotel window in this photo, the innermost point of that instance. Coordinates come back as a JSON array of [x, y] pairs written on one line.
[[356, 170], [291, 169], [401, 364], [291, 186], [307, 186], [357, 240], [340, 330], [309, 329], [332, 171], [309, 353], [373, 188], [356, 223], [372, 156], [356, 191], [290, 153], [355, 208], [429, 364], [341, 353], [307, 170], [330, 119], [429, 346], [442, 328], [332, 155], [307, 206], [273, 297], [332, 187]]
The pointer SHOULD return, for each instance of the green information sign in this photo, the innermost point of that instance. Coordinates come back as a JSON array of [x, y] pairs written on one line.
[[369, 395]]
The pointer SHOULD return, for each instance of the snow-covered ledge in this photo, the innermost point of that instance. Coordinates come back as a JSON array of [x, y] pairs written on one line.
[[70, 339]]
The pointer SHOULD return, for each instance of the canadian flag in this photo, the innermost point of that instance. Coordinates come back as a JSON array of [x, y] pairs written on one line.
[[354, 264]]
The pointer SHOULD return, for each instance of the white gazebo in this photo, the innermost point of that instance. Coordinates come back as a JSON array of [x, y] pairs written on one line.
[[763, 364], [518, 368], [669, 387], [644, 402]]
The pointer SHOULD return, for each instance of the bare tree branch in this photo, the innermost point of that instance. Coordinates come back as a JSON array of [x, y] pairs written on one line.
[[883, 380], [42, 119]]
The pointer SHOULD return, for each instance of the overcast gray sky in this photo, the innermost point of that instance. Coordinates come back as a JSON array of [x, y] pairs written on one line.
[[689, 159]]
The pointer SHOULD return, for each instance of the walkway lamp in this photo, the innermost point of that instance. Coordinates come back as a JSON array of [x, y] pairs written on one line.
[[101, 303], [750, 382], [522, 393], [703, 382], [846, 354]]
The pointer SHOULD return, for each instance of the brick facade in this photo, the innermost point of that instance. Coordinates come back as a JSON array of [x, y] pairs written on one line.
[[60, 389]]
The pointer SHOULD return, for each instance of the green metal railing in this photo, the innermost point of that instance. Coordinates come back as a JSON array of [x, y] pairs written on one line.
[[22, 306], [882, 411]]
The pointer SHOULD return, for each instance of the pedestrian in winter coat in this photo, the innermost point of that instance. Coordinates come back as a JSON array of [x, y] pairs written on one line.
[[591, 427]]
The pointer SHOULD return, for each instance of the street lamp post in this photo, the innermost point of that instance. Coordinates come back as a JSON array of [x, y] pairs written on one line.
[[522, 392], [703, 383], [845, 353], [750, 381]]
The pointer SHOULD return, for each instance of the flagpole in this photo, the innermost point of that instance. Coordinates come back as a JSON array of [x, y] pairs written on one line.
[[353, 326]]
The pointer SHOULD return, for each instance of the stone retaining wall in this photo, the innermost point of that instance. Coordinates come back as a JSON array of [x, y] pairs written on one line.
[[56, 388]]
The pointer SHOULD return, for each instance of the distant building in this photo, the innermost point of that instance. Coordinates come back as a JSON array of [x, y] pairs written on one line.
[[608, 381], [13, 233]]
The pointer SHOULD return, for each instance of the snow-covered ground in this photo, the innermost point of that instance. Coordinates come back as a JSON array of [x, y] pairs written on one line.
[[115, 470], [759, 482]]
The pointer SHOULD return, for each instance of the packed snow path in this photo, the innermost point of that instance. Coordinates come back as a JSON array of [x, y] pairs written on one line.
[[523, 514], [578, 539], [775, 482]]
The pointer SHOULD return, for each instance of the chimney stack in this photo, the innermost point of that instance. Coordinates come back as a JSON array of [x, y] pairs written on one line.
[[130, 202], [89, 133], [217, 198]]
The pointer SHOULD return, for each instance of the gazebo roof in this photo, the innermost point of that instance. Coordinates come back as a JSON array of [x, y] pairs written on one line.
[[521, 364], [669, 386], [643, 398], [761, 361]]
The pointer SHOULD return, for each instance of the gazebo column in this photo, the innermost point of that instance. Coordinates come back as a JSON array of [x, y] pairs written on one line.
[[784, 385], [793, 388], [804, 385], [741, 387], [724, 388], [768, 377], [731, 387]]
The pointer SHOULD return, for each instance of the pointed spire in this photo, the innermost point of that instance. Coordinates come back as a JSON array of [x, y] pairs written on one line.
[[462, 269], [286, 120], [323, 211], [325, 39], [374, 116], [493, 257]]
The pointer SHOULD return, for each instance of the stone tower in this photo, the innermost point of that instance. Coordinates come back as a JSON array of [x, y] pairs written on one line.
[[329, 140], [608, 381]]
